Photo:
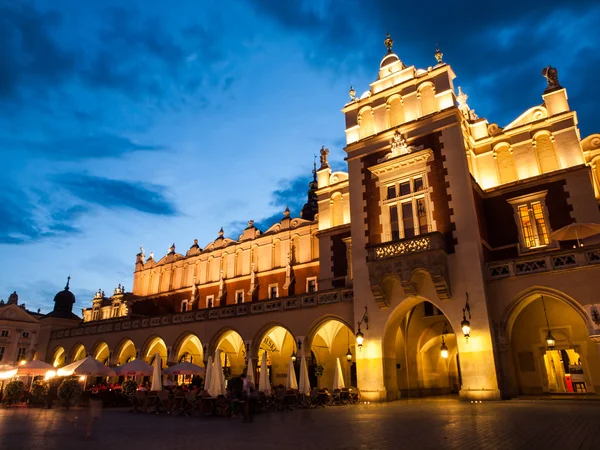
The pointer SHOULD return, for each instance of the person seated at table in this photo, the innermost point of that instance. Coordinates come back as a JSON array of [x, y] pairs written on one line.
[[143, 387]]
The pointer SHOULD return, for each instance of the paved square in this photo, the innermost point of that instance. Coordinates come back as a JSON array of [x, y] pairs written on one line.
[[430, 424]]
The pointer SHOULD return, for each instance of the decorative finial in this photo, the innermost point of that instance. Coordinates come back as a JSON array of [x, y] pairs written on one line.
[[221, 233], [151, 256], [68, 281], [195, 245], [438, 54], [142, 250], [250, 223], [461, 98], [324, 155], [389, 42], [551, 75], [352, 93], [286, 213], [172, 248]]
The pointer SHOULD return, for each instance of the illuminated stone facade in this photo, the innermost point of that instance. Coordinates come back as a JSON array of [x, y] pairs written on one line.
[[442, 218]]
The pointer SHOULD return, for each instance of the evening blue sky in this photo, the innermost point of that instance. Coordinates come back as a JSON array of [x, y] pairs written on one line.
[[160, 122]]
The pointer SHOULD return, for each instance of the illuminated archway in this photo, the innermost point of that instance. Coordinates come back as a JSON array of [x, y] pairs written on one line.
[[571, 365], [101, 352], [414, 365], [233, 352], [78, 352], [125, 352], [58, 357], [331, 340], [279, 345], [189, 348], [153, 346]]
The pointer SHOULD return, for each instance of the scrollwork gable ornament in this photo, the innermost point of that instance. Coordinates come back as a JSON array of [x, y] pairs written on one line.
[[399, 147]]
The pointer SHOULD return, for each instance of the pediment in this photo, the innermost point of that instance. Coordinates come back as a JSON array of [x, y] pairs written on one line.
[[16, 313], [402, 162], [531, 115]]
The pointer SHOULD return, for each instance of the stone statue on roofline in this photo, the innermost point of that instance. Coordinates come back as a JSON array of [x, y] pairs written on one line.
[[324, 158], [13, 299], [551, 75]]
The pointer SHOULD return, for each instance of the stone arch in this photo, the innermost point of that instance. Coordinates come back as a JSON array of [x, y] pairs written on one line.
[[233, 350], [395, 108], [124, 351], [284, 345], [525, 297], [101, 351], [147, 351], [427, 100], [366, 122], [58, 356], [545, 151], [77, 351], [314, 327], [185, 342], [507, 171]]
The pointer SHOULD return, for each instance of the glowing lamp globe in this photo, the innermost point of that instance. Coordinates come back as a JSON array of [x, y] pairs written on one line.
[[466, 328], [293, 356], [550, 341], [444, 350], [360, 338], [349, 355]]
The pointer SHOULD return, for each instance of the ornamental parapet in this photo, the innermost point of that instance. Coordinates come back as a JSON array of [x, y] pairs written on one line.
[[549, 261], [400, 259], [223, 312]]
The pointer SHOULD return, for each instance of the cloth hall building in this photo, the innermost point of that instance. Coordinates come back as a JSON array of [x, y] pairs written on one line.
[[435, 247]]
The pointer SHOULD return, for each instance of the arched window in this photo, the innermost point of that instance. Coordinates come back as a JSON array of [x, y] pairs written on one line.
[[428, 102], [546, 153], [366, 123], [507, 171], [239, 261], [396, 112]]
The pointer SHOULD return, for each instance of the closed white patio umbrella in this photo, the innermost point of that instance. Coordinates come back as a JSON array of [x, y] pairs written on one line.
[[217, 382], [135, 368], [33, 368], [7, 371], [338, 376], [291, 382], [263, 382], [156, 374], [209, 372], [184, 368], [250, 371], [304, 387], [88, 367]]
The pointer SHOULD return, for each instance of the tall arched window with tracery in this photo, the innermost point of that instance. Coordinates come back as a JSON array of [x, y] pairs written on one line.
[[545, 153], [428, 102], [396, 112], [366, 123], [507, 171]]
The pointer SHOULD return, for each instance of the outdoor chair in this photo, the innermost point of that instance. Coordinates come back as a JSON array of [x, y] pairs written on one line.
[[141, 401], [353, 395], [336, 397], [280, 399], [164, 402], [314, 399], [191, 404]]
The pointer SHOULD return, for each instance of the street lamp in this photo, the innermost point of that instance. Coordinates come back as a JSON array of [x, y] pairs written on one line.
[[349, 355], [360, 337], [444, 349], [466, 324], [550, 341]]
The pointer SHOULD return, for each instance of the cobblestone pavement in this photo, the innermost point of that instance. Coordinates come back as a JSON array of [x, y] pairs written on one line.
[[431, 424]]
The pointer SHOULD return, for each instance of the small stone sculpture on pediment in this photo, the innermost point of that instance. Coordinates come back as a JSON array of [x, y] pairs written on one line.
[[399, 146], [324, 158], [551, 75]]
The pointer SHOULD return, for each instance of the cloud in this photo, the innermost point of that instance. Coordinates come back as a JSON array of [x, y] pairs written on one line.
[[27, 217], [76, 147], [109, 193]]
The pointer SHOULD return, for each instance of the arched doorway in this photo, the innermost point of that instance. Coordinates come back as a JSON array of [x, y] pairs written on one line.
[[420, 351], [233, 353], [78, 353], [190, 350], [571, 365], [126, 352], [279, 344], [102, 352], [156, 345], [58, 357], [332, 340]]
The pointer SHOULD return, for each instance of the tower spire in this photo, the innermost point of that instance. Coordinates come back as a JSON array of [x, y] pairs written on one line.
[[68, 281]]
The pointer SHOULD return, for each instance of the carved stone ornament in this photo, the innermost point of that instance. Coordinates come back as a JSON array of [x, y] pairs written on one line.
[[324, 158], [551, 75], [399, 147], [595, 315]]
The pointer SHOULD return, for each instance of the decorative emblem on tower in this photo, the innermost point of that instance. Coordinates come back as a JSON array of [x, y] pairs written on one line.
[[400, 147]]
